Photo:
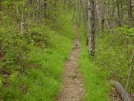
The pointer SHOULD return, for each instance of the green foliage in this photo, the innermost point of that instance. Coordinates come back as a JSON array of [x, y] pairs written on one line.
[[115, 52], [31, 62], [1, 81], [96, 85]]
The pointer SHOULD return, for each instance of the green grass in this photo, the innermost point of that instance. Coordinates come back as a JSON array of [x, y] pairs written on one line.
[[41, 77], [96, 85], [47, 79], [114, 53]]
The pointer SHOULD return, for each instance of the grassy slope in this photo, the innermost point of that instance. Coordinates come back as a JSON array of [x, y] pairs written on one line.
[[46, 88], [41, 79], [95, 81]]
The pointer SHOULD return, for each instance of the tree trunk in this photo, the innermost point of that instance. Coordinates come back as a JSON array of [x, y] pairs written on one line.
[[106, 14], [122, 92], [130, 13], [78, 12], [0, 9], [113, 23], [40, 12], [85, 16], [22, 23], [91, 16], [99, 15], [119, 15]]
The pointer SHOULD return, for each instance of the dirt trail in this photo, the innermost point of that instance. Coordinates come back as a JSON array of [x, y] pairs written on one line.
[[72, 86]]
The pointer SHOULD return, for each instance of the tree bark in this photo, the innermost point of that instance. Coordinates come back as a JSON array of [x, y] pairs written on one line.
[[85, 16], [119, 14], [130, 13], [22, 23], [122, 92], [78, 12], [91, 16], [0, 9], [40, 11], [99, 15]]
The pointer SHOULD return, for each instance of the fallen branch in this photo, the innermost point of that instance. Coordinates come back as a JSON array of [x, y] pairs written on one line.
[[122, 92]]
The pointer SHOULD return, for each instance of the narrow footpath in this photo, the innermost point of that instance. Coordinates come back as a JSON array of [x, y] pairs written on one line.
[[72, 86]]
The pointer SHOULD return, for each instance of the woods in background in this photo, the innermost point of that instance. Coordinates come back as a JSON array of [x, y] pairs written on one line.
[[106, 14], [31, 32], [108, 27], [30, 28]]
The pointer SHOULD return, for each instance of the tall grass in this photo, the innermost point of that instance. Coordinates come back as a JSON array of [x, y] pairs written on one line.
[[96, 85], [40, 79], [48, 78]]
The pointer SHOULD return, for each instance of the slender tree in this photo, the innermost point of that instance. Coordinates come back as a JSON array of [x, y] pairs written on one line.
[[40, 11], [91, 16], [78, 12], [85, 16], [98, 15], [0, 9], [130, 13]]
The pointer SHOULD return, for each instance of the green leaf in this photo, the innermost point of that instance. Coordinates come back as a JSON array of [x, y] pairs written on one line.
[[0, 81], [13, 76]]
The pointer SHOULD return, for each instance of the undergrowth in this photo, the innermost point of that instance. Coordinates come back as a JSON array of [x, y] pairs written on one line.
[[31, 63], [96, 85], [114, 52]]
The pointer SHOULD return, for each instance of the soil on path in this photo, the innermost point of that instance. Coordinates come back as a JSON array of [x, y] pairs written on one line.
[[72, 86]]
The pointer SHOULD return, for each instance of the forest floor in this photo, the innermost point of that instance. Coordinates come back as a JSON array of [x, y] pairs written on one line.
[[72, 87]]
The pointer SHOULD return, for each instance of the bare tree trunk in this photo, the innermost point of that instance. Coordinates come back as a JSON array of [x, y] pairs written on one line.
[[31, 9], [0, 9], [78, 12], [40, 12], [122, 92], [119, 15], [22, 22], [85, 16], [17, 10], [91, 16], [106, 14], [130, 13], [113, 23], [99, 15], [103, 11], [85, 20]]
